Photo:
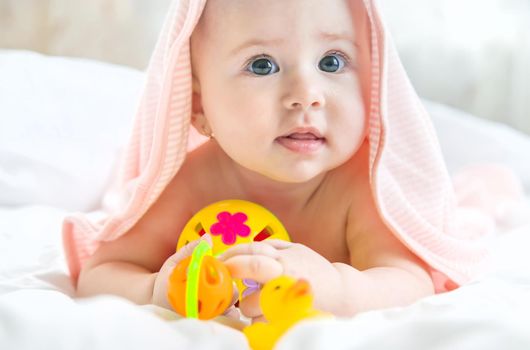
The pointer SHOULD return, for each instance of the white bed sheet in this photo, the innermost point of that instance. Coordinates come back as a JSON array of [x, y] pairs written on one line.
[[36, 305]]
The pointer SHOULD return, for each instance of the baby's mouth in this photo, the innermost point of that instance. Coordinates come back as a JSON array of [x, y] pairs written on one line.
[[305, 143], [303, 136]]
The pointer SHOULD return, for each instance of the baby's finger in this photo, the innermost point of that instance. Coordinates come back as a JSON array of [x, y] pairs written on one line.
[[235, 294], [232, 312], [254, 248], [187, 250], [182, 253], [260, 318], [249, 306], [279, 243], [162, 282], [257, 267]]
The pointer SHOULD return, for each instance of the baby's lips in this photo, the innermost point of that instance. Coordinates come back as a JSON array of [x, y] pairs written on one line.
[[304, 136], [306, 132]]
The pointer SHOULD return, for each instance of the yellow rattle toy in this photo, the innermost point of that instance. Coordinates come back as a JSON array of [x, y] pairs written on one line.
[[201, 286]]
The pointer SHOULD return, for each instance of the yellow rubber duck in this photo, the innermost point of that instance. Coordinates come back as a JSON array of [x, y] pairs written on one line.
[[284, 301]]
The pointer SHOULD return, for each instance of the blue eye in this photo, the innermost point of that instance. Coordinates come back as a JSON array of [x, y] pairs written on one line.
[[332, 63], [262, 66]]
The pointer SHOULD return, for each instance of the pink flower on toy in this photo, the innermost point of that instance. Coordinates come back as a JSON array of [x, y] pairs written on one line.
[[230, 226]]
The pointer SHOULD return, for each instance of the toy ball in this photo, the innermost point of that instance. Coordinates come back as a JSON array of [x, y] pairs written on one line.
[[200, 286], [232, 222], [206, 282]]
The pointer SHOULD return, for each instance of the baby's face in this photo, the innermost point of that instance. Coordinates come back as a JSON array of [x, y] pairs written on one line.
[[278, 84]]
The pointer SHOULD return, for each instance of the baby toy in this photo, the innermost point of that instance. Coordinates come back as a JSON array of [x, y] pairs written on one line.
[[284, 302], [201, 286], [232, 222]]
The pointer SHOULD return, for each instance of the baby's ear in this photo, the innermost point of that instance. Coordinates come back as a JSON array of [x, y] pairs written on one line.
[[197, 113], [196, 105]]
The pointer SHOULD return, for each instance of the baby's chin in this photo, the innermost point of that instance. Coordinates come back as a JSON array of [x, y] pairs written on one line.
[[271, 170], [297, 178], [295, 175]]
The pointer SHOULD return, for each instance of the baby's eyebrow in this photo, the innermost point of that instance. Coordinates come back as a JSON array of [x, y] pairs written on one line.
[[328, 36], [336, 36], [257, 42]]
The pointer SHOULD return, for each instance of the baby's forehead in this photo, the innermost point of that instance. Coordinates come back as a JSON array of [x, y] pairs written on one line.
[[221, 17]]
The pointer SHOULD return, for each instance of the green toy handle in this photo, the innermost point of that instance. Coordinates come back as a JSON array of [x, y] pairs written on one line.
[[192, 287]]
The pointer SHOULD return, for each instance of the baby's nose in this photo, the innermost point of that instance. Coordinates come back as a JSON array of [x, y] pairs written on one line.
[[304, 104], [304, 93]]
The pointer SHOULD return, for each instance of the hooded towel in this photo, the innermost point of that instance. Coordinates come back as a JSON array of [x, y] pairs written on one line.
[[411, 186]]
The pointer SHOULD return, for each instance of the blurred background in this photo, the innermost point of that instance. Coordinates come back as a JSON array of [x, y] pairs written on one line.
[[471, 54]]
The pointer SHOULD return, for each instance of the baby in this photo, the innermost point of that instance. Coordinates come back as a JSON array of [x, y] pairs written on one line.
[[284, 92]]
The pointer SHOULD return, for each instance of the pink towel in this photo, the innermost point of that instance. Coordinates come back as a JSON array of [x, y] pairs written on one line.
[[410, 183]]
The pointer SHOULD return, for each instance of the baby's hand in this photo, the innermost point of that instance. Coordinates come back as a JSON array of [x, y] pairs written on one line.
[[262, 261], [162, 278]]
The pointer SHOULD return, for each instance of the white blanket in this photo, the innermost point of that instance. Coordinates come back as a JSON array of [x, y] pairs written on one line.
[[37, 311], [36, 305]]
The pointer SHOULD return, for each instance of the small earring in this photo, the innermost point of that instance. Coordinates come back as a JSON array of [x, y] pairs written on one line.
[[206, 133]]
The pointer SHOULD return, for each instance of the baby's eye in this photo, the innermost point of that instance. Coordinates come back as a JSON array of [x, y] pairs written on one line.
[[333, 62], [263, 66]]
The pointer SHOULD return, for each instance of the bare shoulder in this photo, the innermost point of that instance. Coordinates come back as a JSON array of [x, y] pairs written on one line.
[[371, 242], [154, 237]]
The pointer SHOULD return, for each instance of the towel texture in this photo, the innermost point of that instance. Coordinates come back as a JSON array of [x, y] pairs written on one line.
[[409, 180]]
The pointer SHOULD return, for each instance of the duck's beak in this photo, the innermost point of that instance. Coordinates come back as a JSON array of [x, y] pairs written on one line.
[[299, 289]]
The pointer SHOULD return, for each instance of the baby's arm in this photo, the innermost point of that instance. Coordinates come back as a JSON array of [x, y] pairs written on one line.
[[339, 288], [386, 274], [129, 266], [383, 272]]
